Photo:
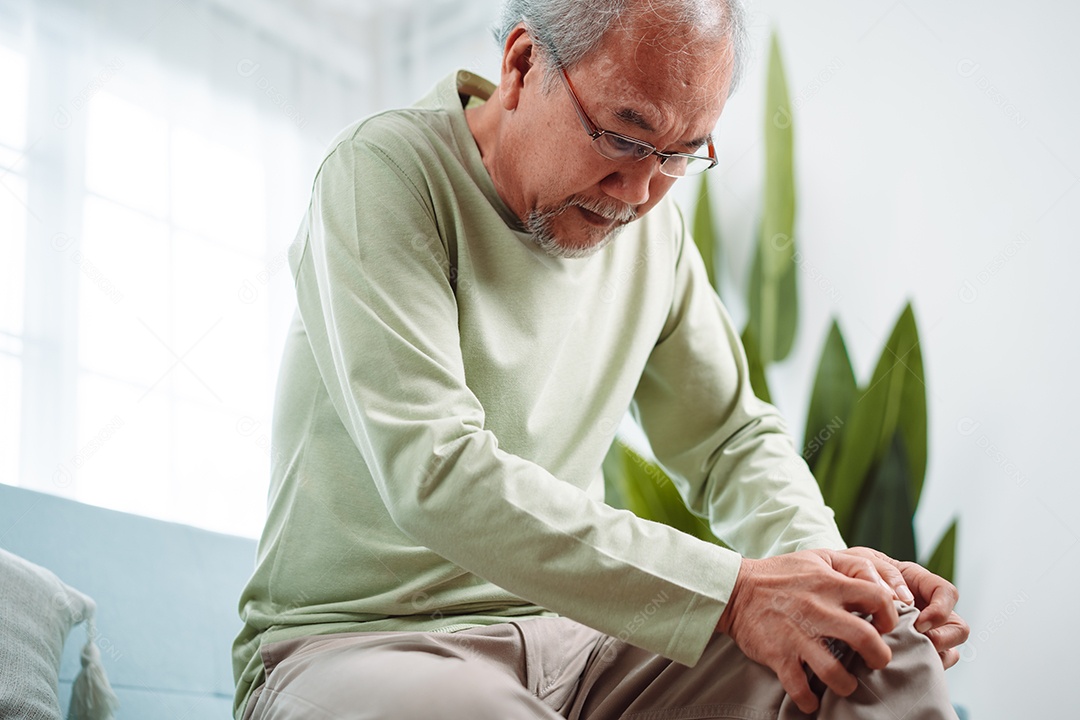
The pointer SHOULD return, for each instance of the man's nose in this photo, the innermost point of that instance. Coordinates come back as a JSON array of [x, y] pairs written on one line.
[[631, 183]]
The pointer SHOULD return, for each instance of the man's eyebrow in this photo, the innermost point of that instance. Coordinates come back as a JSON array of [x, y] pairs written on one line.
[[633, 117]]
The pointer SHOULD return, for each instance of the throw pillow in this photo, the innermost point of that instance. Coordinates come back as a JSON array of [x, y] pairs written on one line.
[[37, 611]]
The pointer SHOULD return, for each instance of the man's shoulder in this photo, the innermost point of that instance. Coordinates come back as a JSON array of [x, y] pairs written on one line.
[[404, 148], [396, 132], [423, 131]]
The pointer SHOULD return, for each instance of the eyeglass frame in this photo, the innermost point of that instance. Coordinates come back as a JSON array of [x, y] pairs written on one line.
[[596, 132]]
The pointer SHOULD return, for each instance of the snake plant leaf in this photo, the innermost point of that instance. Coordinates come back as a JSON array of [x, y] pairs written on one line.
[[755, 364], [824, 464], [773, 300], [913, 415], [650, 494], [774, 308], [895, 401], [885, 518], [942, 561], [833, 395], [611, 468], [705, 233]]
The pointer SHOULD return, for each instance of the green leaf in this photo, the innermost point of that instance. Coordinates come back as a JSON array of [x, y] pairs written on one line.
[[895, 401], [614, 482], [773, 296], [774, 308], [705, 233], [913, 423], [942, 561], [646, 490], [758, 381], [824, 464], [884, 520], [833, 395]]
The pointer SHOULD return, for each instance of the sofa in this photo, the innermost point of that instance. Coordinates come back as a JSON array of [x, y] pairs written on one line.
[[166, 595], [166, 598]]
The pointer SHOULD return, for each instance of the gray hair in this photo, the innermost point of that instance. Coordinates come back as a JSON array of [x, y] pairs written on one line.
[[568, 30]]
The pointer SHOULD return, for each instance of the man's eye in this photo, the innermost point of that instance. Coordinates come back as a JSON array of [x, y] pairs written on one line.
[[626, 148]]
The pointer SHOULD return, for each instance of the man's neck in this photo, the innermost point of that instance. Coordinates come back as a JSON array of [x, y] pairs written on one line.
[[486, 125]]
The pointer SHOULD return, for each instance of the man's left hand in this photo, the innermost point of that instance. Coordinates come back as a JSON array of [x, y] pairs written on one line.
[[934, 596]]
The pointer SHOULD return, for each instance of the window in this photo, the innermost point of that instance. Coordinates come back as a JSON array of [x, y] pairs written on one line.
[[13, 214], [172, 228], [143, 303], [149, 190]]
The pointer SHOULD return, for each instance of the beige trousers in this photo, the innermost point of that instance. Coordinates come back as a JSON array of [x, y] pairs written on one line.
[[550, 668]]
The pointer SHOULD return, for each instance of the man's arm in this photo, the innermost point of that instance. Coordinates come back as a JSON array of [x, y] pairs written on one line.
[[734, 463], [728, 452]]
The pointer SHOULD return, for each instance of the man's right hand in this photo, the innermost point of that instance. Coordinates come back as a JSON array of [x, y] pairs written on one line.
[[784, 608]]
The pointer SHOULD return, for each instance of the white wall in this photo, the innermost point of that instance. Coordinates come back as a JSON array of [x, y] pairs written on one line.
[[937, 160]]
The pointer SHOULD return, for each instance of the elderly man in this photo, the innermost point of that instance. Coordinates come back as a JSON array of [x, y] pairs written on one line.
[[486, 283]]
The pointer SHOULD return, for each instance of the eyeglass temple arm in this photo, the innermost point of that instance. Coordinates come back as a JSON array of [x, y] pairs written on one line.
[[585, 121]]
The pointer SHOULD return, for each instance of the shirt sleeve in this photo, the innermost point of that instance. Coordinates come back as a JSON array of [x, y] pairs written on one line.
[[376, 296], [728, 452]]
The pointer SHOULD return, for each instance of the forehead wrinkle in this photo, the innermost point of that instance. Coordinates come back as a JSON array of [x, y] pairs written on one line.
[[633, 117], [688, 55]]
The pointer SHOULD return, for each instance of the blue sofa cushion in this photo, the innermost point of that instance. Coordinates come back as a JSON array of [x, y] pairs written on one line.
[[166, 595]]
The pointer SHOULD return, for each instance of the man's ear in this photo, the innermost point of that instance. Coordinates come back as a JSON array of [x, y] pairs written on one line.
[[517, 61]]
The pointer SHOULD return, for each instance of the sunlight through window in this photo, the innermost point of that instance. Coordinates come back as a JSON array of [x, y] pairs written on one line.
[[173, 343], [13, 90]]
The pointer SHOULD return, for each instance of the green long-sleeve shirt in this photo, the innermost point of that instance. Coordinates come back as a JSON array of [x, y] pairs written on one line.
[[448, 392]]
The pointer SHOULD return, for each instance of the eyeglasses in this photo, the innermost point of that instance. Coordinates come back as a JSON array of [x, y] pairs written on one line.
[[616, 146]]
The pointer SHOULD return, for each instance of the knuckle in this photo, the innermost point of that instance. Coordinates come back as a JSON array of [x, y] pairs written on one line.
[[804, 698], [864, 634], [836, 677], [793, 679], [866, 639], [939, 611]]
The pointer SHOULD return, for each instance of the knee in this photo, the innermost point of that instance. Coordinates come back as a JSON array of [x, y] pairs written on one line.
[[911, 685], [912, 651]]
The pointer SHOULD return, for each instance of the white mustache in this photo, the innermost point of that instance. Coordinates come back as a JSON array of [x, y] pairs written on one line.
[[618, 213]]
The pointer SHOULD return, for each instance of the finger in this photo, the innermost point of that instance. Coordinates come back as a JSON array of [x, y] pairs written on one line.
[[793, 679], [888, 569], [950, 657], [856, 565], [873, 600], [860, 635], [894, 579], [940, 608], [926, 585], [830, 670], [952, 634], [865, 564]]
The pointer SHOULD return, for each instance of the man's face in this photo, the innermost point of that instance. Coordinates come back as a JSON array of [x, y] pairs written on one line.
[[659, 87]]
